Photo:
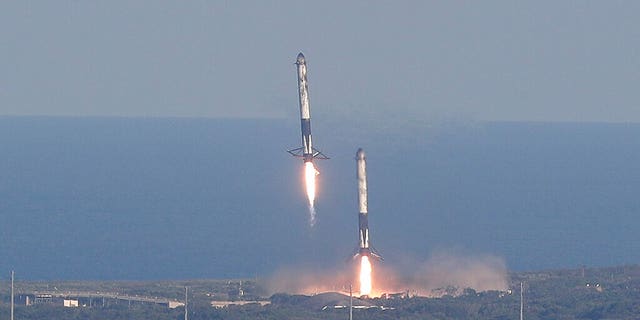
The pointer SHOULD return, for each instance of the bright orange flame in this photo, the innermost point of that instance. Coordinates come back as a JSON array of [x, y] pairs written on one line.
[[310, 180], [310, 173], [365, 276]]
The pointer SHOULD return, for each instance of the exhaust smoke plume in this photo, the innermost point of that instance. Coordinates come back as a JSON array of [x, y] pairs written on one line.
[[479, 273], [445, 274], [441, 274], [301, 280]]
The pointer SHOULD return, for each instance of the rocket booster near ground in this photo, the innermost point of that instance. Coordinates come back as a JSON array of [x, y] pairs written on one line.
[[364, 244], [307, 151]]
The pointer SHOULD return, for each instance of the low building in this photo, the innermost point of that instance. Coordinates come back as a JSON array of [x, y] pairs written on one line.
[[69, 303], [224, 304]]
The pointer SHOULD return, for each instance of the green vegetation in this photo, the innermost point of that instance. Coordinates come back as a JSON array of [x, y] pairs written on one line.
[[602, 293]]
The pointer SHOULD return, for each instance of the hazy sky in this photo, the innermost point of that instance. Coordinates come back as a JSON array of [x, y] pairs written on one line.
[[479, 60]]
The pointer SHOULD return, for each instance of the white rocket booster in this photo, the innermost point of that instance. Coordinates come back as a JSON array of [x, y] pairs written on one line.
[[364, 243], [307, 151]]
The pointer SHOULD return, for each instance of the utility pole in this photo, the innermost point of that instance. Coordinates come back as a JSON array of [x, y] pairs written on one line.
[[350, 301], [521, 301], [186, 303], [12, 276]]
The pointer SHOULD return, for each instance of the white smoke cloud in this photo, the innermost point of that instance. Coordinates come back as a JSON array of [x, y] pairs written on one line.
[[481, 273], [309, 281], [444, 272]]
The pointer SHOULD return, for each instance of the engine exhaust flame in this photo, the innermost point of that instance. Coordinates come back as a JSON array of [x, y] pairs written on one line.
[[310, 173], [365, 276]]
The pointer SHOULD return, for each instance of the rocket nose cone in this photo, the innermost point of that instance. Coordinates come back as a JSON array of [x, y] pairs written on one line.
[[360, 154], [300, 58]]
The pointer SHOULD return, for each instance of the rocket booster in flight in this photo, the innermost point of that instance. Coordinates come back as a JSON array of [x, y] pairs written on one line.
[[364, 244], [307, 151]]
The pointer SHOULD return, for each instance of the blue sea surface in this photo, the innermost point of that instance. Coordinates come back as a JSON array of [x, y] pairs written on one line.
[[173, 198]]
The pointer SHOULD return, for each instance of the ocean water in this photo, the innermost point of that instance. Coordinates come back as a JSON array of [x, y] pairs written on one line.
[[136, 198]]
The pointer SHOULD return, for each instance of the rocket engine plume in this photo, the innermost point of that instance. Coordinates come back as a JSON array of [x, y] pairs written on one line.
[[310, 173], [365, 276]]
